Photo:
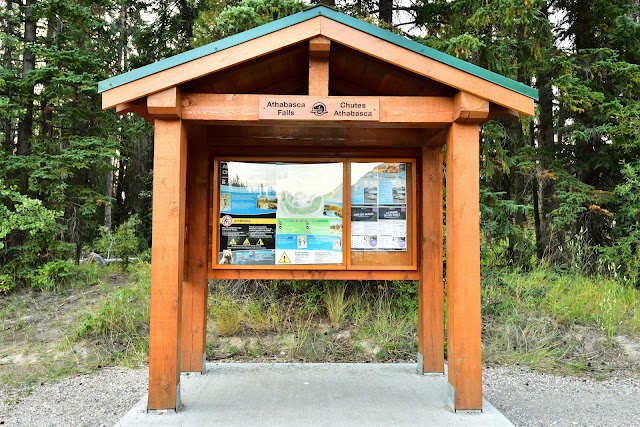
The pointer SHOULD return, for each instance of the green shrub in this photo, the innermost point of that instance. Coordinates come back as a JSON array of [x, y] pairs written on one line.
[[29, 237], [121, 243], [54, 274]]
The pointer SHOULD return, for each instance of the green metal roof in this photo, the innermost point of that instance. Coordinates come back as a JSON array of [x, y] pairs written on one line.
[[305, 15]]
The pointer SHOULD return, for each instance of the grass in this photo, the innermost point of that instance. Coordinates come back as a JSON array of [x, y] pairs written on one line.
[[546, 320], [554, 321], [336, 304], [565, 298], [335, 321], [120, 325]]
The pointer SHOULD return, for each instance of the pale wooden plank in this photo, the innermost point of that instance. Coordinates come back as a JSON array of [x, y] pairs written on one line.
[[432, 110], [319, 48], [211, 63], [431, 287], [318, 77], [463, 266], [425, 66], [167, 267]]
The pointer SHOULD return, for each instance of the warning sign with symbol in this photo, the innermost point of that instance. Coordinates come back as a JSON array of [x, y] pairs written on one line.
[[284, 259]]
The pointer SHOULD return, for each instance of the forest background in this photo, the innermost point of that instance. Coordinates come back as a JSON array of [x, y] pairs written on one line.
[[560, 190]]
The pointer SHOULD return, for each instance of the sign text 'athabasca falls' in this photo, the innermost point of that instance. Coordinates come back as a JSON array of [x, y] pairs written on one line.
[[319, 108]]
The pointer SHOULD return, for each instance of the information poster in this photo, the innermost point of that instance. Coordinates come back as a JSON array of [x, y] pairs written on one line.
[[280, 213], [379, 206]]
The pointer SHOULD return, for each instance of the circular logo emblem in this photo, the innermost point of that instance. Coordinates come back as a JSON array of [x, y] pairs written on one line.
[[319, 109], [227, 220]]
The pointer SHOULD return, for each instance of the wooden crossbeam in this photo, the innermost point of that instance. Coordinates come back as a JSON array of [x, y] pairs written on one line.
[[245, 108], [469, 108], [166, 104]]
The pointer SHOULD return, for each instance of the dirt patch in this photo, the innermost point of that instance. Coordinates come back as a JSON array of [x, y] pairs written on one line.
[[37, 330]]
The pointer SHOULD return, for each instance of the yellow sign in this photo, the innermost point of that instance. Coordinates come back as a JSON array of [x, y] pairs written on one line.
[[232, 242], [260, 242], [246, 242], [284, 259]]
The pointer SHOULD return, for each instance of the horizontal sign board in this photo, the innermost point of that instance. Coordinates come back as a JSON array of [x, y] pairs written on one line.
[[319, 108]]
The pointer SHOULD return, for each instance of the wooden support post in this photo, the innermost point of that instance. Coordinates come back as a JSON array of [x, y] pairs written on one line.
[[463, 267], [431, 287], [195, 290], [167, 258], [319, 50]]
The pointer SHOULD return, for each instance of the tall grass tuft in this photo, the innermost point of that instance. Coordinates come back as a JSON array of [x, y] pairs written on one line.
[[336, 304], [121, 323]]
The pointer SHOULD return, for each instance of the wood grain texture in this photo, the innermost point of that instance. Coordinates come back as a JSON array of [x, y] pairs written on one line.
[[431, 288], [167, 268], [319, 48], [195, 288], [469, 108], [463, 266], [166, 104], [425, 66], [399, 110]]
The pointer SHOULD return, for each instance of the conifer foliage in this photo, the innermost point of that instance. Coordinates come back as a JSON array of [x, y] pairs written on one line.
[[561, 187]]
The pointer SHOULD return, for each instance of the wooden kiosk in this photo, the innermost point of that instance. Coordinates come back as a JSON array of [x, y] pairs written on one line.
[[312, 148]]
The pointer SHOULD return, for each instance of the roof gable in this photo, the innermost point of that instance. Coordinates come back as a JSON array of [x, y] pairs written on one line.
[[318, 20]]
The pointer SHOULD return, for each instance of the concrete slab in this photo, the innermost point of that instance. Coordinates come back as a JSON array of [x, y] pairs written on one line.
[[327, 394]]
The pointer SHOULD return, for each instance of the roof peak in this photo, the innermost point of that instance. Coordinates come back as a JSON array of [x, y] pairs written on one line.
[[305, 15]]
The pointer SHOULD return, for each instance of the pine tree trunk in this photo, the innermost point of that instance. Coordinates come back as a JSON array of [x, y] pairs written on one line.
[[548, 200], [7, 125], [25, 126], [108, 191], [385, 11]]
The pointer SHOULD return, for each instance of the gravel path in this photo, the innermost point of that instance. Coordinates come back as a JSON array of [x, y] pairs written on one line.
[[98, 399], [526, 398], [533, 399]]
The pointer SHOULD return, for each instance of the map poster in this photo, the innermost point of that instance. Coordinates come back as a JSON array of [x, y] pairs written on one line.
[[379, 206], [280, 213], [309, 214]]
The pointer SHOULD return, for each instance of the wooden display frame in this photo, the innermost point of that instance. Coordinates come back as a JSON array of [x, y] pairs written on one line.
[[409, 257]]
